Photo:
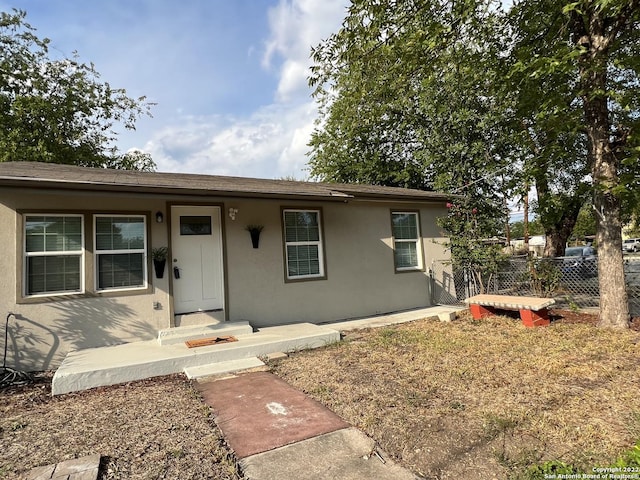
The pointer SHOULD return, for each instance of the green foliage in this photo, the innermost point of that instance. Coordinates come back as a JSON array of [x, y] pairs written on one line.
[[403, 103], [56, 109], [405, 97], [517, 228], [495, 425], [553, 469], [469, 225], [576, 70], [469, 98], [544, 275], [159, 253], [19, 425], [630, 458], [133, 160], [292, 178], [573, 306], [633, 229], [585, 224]]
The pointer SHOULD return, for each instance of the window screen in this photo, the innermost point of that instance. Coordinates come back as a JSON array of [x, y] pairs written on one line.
[[303, 244]]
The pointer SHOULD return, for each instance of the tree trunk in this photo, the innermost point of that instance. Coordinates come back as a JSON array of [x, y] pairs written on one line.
[[558, 234], [614, 303], [614, 306], [526, 218], [507, 226], [554, 244], [557, 230], [556, 240]]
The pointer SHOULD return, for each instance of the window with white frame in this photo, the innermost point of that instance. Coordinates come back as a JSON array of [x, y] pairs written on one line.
[[120, 252], [303, 244], [406, 240], [53, 254]]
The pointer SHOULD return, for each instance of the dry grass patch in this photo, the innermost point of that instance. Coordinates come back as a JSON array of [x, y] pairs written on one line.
[[481, 399], [156, 428]]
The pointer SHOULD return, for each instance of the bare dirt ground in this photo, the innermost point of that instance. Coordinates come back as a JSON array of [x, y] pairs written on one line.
[[468, 400], [157, 428]]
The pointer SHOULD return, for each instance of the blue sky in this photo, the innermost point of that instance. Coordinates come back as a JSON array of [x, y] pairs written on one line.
[[229, 76]]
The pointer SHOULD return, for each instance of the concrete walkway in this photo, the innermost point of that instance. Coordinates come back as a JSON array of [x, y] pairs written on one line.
[[278, 432]]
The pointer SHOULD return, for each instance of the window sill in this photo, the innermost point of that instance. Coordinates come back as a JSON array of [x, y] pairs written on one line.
[[304, 279], [410, 269], [80, 296]]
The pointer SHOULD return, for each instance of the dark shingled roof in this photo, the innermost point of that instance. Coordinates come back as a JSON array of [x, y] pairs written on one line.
[[67, 177]]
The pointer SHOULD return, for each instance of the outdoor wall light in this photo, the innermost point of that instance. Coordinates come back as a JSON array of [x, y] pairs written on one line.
[[232, 213], [159, 217]]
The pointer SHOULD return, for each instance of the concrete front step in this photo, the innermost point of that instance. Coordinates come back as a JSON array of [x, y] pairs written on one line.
[[199, 318], [171, 336], [95, 367], [223, 367]]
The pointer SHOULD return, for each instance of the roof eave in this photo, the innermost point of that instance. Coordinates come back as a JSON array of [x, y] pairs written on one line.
[[100, 187], [435, 198]]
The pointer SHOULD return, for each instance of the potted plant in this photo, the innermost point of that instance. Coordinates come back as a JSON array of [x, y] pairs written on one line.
[[254, 231], [159, 256]]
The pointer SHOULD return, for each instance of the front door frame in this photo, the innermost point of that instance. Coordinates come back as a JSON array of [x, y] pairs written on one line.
[[172, 318]]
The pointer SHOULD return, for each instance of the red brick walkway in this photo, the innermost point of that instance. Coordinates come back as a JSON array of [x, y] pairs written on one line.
[[258, 412]]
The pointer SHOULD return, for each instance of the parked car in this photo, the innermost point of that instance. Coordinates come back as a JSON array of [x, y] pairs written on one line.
[[631, 245], [580, 262]]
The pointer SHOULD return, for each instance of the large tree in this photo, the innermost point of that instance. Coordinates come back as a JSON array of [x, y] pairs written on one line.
[[402, 101], [475, 100], [414, 93], [595, 46], [57, 109], [403, 104]]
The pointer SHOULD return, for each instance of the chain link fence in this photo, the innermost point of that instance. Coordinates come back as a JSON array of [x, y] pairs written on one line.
[[571, 281]]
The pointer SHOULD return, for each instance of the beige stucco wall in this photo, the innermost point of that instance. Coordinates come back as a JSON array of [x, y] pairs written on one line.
[[360, 275], [43, 332], [361, 278]]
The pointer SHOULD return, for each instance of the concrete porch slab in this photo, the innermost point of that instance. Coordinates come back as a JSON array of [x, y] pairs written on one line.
[[443, 313], [96, 367]]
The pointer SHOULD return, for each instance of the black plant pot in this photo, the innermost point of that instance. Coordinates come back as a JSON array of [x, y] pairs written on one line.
[[158, 266], [255, 238]]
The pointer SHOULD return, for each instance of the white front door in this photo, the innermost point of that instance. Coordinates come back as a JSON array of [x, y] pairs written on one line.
[[196, 259]]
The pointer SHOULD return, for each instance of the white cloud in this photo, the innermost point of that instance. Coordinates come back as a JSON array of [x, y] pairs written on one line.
[[296, 27], [293, 81], [272, 141], [293, 158]]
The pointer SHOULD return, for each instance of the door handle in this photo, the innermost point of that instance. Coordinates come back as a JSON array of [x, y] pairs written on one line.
[[176, 272]]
